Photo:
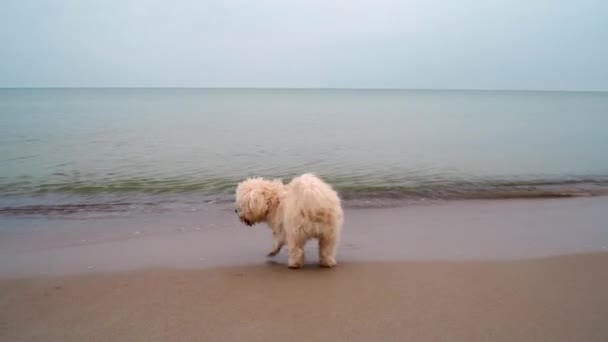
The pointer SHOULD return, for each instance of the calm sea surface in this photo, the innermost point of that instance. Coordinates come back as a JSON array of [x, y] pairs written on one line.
[[67, 150]]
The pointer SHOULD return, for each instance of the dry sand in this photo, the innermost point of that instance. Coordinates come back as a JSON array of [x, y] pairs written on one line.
[[551, 299]]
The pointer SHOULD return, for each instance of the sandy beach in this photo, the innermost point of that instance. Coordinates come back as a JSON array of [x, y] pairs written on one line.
[[554, 299], [512, 270]]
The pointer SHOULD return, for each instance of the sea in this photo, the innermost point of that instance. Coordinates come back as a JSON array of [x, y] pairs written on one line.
[[79, 151]]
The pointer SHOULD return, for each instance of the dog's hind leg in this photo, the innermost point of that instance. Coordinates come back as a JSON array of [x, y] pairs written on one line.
[[327, 250]]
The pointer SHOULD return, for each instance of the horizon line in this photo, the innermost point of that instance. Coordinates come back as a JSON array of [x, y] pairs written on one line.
[[323, 88]]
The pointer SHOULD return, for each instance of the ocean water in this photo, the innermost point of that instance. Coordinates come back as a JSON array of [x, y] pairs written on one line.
[[75, 150]]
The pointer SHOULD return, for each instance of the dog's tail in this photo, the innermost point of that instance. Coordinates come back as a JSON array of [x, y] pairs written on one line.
[[312, 193]]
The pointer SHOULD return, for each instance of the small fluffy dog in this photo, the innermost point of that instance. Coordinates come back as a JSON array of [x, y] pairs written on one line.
[[306, 208]]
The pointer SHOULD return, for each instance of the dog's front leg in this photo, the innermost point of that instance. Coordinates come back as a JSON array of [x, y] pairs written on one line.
[[279, 242], [275, 249]]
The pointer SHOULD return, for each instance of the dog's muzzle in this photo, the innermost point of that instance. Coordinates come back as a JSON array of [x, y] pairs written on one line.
[[246, 221]]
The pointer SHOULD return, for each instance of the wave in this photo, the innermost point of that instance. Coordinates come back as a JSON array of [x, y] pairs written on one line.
[[362, 185], [26, 198]]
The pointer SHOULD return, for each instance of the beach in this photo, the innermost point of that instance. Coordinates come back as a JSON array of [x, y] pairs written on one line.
[[469, 215], [498, 270], [553, 299], [144, 147]]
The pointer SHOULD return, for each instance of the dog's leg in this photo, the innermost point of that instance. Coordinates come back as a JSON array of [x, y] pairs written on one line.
[[276, 248], [279, 241], [327, 251], [296, 252]]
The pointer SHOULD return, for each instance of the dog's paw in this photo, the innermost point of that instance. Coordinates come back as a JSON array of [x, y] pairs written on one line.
[[272, 253], [294, 266], [328, 262]]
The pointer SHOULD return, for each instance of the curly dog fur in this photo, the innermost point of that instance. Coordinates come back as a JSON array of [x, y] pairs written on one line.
[[306, 208]]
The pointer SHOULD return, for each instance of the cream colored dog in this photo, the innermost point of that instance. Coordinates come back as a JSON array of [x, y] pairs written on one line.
[[306, 208]]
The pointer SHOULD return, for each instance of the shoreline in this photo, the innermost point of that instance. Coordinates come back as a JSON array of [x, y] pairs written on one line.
[[213, 237], [64, 207]]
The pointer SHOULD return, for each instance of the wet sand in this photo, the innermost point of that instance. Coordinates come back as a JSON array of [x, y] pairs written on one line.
[[523, 270]]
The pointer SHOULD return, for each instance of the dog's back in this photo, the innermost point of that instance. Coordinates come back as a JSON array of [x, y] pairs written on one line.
[[311, 210], [313, 200]]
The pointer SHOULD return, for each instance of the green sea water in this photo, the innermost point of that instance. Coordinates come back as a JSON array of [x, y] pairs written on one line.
[[92, 149]]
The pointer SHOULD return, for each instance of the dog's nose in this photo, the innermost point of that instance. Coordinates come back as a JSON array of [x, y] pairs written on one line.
[[236, 210]]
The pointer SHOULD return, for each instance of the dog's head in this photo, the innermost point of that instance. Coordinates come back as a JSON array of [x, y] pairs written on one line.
[[255, 198]]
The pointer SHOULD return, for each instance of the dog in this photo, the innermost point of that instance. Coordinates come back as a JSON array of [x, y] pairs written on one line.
[[306, 208]]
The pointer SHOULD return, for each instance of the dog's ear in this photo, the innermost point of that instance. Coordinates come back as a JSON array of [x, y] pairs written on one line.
[[257, 204]]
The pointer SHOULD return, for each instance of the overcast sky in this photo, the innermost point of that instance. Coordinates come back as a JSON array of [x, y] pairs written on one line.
[[467, 44]]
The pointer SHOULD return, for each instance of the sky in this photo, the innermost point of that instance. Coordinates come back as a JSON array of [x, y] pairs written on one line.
[[417, 44]]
